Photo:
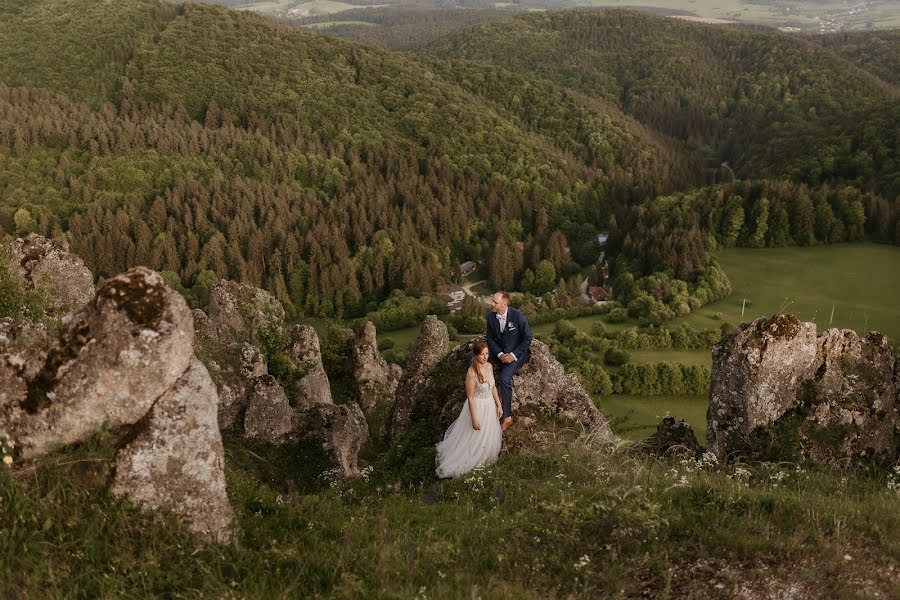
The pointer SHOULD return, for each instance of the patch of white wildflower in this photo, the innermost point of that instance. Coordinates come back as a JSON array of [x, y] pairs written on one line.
[[6, 449], [584, 561], [893, 479]]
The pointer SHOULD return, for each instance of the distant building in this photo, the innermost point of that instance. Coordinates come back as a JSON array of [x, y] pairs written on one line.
[[520, 246], [453, 295], [467, 268], [598, 294]]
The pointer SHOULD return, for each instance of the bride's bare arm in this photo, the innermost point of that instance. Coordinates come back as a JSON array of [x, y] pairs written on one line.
[[497, 401], [470, 394]]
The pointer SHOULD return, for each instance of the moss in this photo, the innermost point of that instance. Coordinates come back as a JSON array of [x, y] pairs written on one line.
[[139, 295]]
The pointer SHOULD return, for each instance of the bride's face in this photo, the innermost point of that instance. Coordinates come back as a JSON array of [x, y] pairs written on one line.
[[483, 356]]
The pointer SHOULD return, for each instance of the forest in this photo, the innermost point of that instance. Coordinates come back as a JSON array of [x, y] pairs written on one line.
[[209, 143]]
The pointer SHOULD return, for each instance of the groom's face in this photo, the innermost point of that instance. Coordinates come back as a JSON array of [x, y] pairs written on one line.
[[498, 304]]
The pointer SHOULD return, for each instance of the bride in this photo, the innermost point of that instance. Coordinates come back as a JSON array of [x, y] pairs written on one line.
[[474, 439]]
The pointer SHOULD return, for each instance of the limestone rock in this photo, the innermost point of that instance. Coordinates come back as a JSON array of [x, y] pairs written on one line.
[[303, 350], [47, 264], [342, 431], [854, 393], [541, 391], [376, 379], [269, 416], [243, 312], [175, 462], [109, 363], [837, 394], [671, 437], [429, 349], [756, 374]]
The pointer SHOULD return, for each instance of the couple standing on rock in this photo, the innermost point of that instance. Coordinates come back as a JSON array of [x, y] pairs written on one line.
[[475, 437]]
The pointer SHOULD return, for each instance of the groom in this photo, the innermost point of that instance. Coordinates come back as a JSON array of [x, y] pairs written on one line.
[[508, 338]]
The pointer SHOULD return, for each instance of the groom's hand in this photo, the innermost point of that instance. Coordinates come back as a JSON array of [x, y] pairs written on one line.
[[506, 358]]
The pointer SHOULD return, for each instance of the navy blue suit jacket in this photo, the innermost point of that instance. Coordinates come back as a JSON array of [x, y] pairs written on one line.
[[516, 338]]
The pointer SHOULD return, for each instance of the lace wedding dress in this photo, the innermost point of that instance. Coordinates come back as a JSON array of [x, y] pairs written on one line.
[[465, 448]]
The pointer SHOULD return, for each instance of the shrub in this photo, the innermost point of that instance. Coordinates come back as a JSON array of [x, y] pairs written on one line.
[[615, 357], [564, 330], [617, 315]]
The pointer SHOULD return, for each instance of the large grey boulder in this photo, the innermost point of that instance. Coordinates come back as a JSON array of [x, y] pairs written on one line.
[[48, 265], [429, 348], [124, 361], [777, 388], [303, 350], [175, 461], [542, 392], [108, 365], [755, 376], [376, 379]]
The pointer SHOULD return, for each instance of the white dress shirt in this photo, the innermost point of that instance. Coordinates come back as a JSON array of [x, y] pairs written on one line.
[[502, 320]]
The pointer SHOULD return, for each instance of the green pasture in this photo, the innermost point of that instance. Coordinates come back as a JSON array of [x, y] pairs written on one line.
[[327, 24], [636, 417], [860, 281], [809, 16], [701, 358]]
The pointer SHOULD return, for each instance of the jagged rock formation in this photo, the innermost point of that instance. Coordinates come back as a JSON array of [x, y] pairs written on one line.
[[125, 360], [176, 462], [376, 379], [342, 431], [269, 416], [48, 265], [670, 437], [240, 312], [252, 402], [542, 391], [304, 351], [826, 398], [429, 349]]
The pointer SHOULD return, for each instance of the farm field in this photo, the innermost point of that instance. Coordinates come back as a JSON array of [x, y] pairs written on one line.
[[636, 417], [861, 282], [825, 15]]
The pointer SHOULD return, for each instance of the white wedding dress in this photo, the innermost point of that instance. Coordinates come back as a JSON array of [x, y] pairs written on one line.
[[465, 448]]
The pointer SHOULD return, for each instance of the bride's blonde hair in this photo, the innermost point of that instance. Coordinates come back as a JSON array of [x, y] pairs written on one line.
[[478, 347]]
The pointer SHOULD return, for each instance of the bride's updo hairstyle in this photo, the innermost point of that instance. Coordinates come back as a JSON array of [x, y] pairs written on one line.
[[477, 347]]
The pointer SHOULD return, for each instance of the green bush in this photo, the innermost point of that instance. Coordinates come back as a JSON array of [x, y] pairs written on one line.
[[615, 357]]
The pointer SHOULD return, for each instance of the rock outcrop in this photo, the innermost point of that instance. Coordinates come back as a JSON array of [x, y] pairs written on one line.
[[303, 350], [269, 416], [542, 392], [240, 312], [376, 379], [429, 349], [341, 429], [48, 265], [109, 364], [671, 437], [829, 398], [175, 461], [125, 361]]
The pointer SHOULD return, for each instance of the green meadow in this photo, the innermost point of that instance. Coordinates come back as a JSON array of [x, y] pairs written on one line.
[[860, 282]]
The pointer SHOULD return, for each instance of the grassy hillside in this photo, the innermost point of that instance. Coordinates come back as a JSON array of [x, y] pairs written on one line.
[[561, 520], [769, 103]]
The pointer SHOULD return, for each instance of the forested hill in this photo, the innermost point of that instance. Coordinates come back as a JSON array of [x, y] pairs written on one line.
[[326, 171], [876, 51], [771, 104], [212, 143]]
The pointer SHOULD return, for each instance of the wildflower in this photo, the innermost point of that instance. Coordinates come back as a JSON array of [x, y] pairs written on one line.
[[7, 460], [583, 561]]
